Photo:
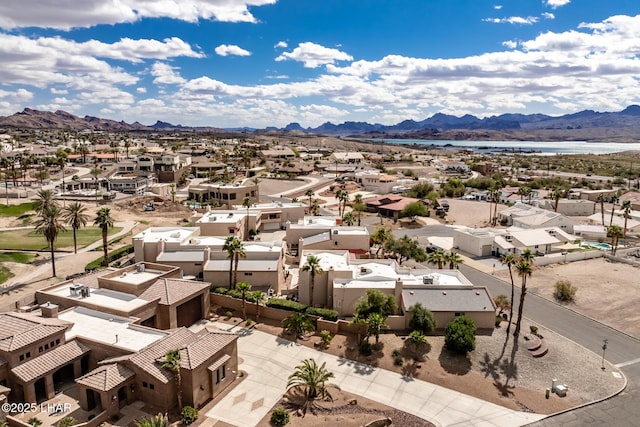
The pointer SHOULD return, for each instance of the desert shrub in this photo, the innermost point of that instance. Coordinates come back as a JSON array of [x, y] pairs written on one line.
[[325, 313], [498, 320], [460, 335], [67, 422], [229, 314], [189, 415], [533, 329], [34, 421], [421, 319], [365, 348], [249, 321], [285, 304], [218, 290], [114, 255], [563, 290], [279, 417], [325, 337], [397, 360]]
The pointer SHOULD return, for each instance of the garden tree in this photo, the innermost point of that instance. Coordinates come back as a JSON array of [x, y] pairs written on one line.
[[49, 224], [298, 323], [525, 192], [453, 259], [563, 290], [375, 302], [313, 380], [83, 150], [421, 319], [419, 191], [626, 209], [309, 193], [246, 202], [380, 238], [502, 303], [348, 219], [127, 145], [172, 362], [615, 233], [312, 265], [437, 257], [325, 338], [104, 220], [614, 199], [460, 335], [417, 340], [528, 256], [75, 215], [343, 198], [358, 206], [235, 250], [258, 297], [556, 195], [376, 322], [244, 288], [43, 200], [160, 420], [524, 269], [601, 200], [315, 208], [414, 209], [406, 248]]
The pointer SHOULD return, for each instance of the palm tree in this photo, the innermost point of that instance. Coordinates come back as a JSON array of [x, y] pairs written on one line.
[[437, 257], [380, 237], [309, 193], [358, 206], [258, 297], [453, 259], [76, 217], [528, 256], [50, 225], [343, 198], [615, 232], [313, 267], [244, 288], [626, 208], [95, 172], [509, 260], [613, 209], [160, 420], [348, 219], [172, 362], [298, 323], [246, 202], [524, 269], [601, 200], [556, 194], [104, 220], [315, 207], [235, 250], [43, 200], [313, 380], [376, 322]]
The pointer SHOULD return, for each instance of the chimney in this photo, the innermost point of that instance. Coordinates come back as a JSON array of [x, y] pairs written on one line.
[[49, 311]]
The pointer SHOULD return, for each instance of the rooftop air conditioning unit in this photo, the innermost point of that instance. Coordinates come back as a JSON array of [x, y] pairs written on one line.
[[363, 270], [140, 268], [507, 238], [427, 280], [335, 231]]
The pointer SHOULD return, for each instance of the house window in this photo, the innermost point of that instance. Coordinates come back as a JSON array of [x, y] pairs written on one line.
[[29, 354], [51, 344], [460, 313], [21, 357], [144, 384], [232, 196], [223, 371], [273, 216], [151, 386], [40, 349], [197, 264], [58, 341], [46, 346], [248, 273]]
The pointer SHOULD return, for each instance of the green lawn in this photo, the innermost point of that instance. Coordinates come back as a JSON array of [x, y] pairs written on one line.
[[21, 257], [30, 240], [5, 274], [15, 210]]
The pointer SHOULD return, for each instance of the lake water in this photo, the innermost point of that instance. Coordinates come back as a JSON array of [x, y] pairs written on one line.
[[534, 147]]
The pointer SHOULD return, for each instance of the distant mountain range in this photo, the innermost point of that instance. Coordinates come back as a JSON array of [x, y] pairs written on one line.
[[584, 125]]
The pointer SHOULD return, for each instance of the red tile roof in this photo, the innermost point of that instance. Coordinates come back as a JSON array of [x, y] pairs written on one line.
[[50, 362], [171, 291], [17, 332], [107, 377]]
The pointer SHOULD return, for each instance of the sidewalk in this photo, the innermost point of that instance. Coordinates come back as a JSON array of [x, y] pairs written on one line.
[[269, 360]]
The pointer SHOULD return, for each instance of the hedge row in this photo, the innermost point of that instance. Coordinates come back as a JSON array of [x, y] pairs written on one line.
[[115, 255], [325, 313], [285, 304]]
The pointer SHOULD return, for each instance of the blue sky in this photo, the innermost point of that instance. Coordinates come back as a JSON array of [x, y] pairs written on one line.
[[258, 63]]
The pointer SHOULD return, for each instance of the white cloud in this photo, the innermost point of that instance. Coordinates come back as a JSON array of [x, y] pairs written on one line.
[[548, 15], [278, 77], [511, 44], [59, 91], [141, 89], [529, 20], [556, 3], [67, 14], [165, 74], [281, 44], [313, 55], [229, 49], [497, 7]]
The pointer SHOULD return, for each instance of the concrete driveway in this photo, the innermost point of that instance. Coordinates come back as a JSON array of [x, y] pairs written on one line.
[[269, 360]]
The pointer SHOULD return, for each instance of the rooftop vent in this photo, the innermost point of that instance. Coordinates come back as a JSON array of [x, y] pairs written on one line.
[[427, 280], [444, 292], [140, 268]]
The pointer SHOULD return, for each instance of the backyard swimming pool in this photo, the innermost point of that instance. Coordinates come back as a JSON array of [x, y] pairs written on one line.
[[603, 246]]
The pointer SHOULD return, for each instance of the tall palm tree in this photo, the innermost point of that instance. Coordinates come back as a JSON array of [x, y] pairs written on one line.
[[614, 199], [313, 267], [50, 225], [75, 216], [556, 194], [309, 193], [348, 219], [601, 200], [160, 420], [44, 199], [437, 257], [524, 269], [509, 260], [313, 379], [172, 362], [235, 250], [454, 260], [615, 233], [258, 297], [626, 208], [244, 288], [528, 256], [246, 202], [105, 221], [358, 206], [95, 171], [343, 198]]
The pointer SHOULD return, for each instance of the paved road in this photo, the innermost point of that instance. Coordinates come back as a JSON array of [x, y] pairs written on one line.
[[622, 350]]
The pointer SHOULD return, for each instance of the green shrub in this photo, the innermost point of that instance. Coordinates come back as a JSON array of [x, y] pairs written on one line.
[[229, 314], [285, 304], [324, 313], [498, 320], [325, 337], [397, 360], [114, 255], [249, 322], [67, 422], [533, 329], [218, 290], [188, 415], [365, 348], [421, 319], [564, 291], [279, 417], [460, 335]]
